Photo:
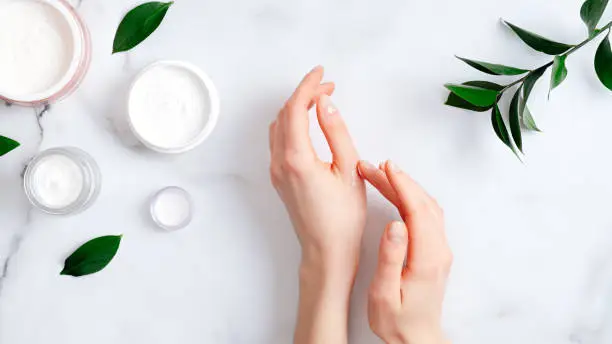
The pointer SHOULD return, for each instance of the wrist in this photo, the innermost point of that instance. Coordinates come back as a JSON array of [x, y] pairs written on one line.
[[435, 336], [333, 268]]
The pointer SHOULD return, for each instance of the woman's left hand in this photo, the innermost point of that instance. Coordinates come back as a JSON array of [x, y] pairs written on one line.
[[326, 201]]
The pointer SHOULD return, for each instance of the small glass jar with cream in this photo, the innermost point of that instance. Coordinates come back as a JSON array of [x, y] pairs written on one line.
[[45, 50], [62, 181]]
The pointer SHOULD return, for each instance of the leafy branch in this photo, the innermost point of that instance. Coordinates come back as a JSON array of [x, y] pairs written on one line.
[[483, 96]]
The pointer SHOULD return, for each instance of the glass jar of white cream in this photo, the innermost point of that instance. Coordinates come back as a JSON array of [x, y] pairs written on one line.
[[62, 181], [45, 50]]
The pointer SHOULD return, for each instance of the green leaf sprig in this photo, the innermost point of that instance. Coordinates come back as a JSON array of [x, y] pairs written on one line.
[[91, 257], [483, 96], [138, 24], [7, 145]]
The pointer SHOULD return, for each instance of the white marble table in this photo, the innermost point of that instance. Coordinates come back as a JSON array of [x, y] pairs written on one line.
[[532, 242]]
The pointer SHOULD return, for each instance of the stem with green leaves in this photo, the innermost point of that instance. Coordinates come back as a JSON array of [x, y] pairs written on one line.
[[568, 53], [481, 96]]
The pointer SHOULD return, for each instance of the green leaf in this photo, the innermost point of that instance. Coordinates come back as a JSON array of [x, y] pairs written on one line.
[[458, 102], [493, 69], [528, 121], [528, 85], [92, 257], [7, 145], [138, 24], [603, 63], [559, 72], [474, 95], [514, 119], [591, 13], [500, 129], [538, 42]]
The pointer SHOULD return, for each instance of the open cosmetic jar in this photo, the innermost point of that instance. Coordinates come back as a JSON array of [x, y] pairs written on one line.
[[172, 107], [172, 208], [62, 181], [45, 50]]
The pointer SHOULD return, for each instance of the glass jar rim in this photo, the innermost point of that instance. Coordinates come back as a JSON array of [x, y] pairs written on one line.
[[91, 180], [153, 211]]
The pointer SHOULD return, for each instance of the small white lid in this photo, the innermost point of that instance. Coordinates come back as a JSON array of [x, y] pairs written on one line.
[[172, 208]]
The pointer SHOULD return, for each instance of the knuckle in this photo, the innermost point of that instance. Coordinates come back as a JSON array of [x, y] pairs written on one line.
[[448, 259], [379, 298], [275, 175], [294, 163]]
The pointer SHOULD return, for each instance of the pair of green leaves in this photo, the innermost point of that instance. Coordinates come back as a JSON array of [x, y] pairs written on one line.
[[91, 257], [138, 24], [7, 145], [483, 96]]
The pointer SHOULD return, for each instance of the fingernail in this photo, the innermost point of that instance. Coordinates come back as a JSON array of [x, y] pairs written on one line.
[[316, 68], [365, 166], [327, 105], [392, 167], [381, 166], [396, 232]]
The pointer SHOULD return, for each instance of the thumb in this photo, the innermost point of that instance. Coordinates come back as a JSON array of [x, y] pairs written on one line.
[[392, 253], [336, 133]]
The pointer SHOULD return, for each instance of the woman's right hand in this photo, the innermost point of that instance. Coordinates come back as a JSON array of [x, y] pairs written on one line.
[[406, 294]]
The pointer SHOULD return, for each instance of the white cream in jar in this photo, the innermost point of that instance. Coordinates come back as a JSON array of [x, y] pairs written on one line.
[[62, 181], [44, 50], [172, 106]]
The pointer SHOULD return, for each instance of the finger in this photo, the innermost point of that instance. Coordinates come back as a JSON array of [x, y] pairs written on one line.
[[307, 89], [391, 255], [426, 241], [293, 119], [345, 156], [410, 194], [379, 180], [272, 135], [325, 88]]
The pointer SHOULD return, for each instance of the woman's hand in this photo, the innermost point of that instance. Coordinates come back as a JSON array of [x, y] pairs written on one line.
[[327, 206], [406, 295]]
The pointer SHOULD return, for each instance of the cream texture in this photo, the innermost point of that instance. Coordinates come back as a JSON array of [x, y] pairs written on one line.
[[172, 208], [57, 181], [36, 48], [169, 106]]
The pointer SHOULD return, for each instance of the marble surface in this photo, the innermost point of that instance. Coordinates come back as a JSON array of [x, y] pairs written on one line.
[[532, 242]]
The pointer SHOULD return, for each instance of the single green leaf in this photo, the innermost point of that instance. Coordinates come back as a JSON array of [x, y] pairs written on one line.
[[603, 63], [500, 129], [493, 69], [7, 145], [92, 257], [138, 24], [458, 102], [559, 72], [474, 95], [528, 85], [515, 126], [591, 13], [528, 121], [538, 42]]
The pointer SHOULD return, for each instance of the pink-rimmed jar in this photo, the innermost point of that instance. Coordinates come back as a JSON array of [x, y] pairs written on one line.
[[75, 72]]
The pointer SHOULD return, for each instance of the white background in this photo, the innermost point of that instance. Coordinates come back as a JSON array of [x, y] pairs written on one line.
[[532, 242]]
